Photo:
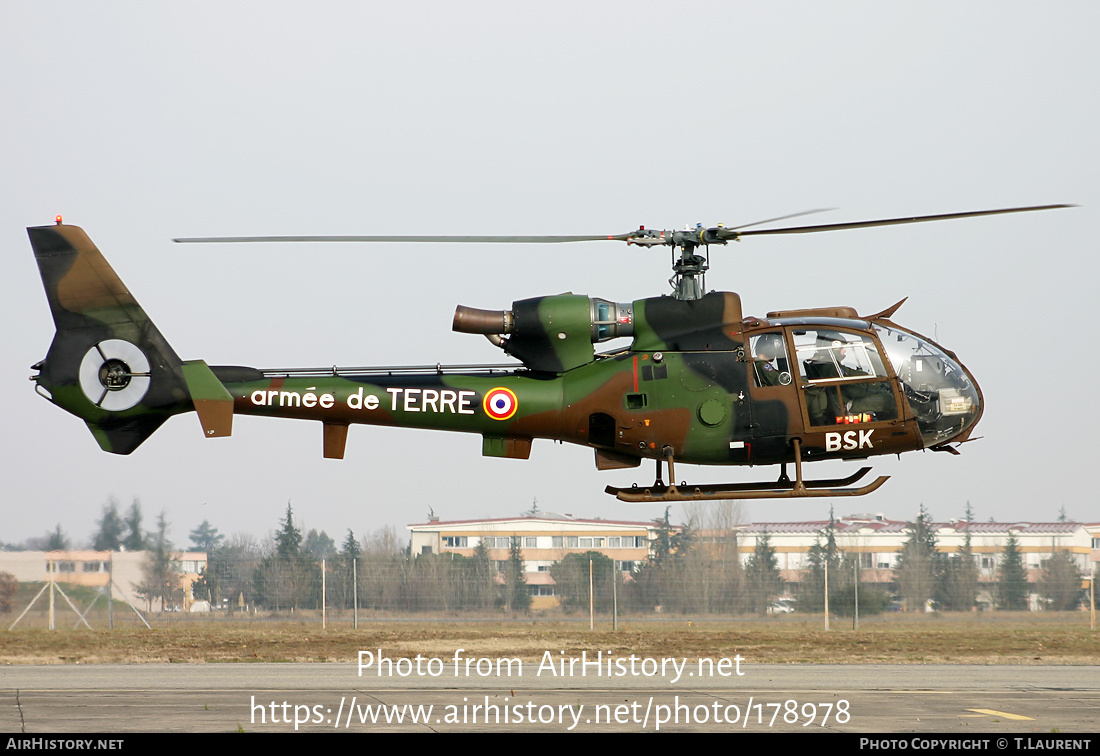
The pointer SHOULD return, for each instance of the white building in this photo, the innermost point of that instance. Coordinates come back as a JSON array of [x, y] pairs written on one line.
[[879, 541], [94, 568], [543, 538]]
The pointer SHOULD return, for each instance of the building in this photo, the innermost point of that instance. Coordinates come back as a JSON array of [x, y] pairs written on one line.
[[543, 538], [879, 542], [94, 568]]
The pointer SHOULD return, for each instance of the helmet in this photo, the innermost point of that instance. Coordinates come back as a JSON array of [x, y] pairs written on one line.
[[769, 346]]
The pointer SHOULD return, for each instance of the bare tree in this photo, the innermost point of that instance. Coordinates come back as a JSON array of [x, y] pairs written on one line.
[[714, 580], [160, 582], [8, 588]]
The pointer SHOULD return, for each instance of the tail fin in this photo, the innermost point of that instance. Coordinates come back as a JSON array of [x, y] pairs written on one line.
[[108, 364]]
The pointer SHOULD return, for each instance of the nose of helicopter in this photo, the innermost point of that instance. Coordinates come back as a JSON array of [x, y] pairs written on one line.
[[943, 395], [977, 406], [946, 399]]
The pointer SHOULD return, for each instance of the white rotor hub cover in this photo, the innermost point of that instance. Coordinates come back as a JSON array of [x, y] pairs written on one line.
[[114, 375]]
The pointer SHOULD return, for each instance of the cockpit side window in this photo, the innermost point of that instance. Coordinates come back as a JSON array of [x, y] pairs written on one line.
[[844, 380], [831, 355], [770, 366]]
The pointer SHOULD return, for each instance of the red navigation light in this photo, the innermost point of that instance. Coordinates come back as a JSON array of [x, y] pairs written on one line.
[[57, 219]]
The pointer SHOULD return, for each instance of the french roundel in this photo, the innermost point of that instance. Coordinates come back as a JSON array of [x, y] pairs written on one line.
[[500, 404]]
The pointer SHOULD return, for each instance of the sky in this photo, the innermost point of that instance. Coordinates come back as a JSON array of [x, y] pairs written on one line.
[[144, 122]]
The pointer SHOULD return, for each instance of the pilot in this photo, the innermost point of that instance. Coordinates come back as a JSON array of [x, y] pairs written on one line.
[[864, 400], [823, 404], [827, 361], [768, 353]]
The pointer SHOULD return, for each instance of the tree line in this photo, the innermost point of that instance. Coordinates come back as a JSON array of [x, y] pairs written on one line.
[[952, 582], [685, 573], [375, 574]]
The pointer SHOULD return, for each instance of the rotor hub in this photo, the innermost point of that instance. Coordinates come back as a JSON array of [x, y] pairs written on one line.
[[115, 375]]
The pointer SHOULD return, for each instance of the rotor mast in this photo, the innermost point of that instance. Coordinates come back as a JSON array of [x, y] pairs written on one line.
[[689, 268]]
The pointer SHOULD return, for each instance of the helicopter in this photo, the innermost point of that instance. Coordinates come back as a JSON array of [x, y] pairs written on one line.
[[698, 383]]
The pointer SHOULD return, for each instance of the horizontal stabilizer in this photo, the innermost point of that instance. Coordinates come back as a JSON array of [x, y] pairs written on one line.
[[213, 403]]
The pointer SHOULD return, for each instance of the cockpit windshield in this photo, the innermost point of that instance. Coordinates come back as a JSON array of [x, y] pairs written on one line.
[[940, 392]]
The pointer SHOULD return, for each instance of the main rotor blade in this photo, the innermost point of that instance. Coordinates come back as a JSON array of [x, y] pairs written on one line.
[[891, 221], [639, 237], [431, 239], [781, 217]]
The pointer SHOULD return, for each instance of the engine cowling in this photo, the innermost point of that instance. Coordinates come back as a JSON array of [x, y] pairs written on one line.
[[551, 334]]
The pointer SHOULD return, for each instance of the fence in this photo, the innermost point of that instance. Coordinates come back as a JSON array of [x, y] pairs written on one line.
[[448, 585]]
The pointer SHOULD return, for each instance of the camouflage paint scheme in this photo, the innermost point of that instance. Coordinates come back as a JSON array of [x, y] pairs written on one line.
[[683, 387]]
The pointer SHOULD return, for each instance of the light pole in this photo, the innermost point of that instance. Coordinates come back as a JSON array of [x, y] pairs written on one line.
[[1092, 596], [855, 593]]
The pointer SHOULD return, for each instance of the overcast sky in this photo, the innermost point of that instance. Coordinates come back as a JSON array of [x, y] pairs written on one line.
[[141, 122]]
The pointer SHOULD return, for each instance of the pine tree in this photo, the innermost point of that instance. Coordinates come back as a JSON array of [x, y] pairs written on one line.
[[661, 580], [671, 543], [288, 541], [1060, 582], [136, 539], [109, 537], [231, 572], [517, 597], [846, 589], [344, 567], [811, 593], [571, 576], [320, 545], [56, 540], [958, 586], [1012, 588], [350, 548], [762, 575], [206, 537], [482, 578], [289, 578], [161, 582], [919, 567], [205, 587]]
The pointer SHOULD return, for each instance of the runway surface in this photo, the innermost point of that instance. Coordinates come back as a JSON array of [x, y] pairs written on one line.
[[969, 700]]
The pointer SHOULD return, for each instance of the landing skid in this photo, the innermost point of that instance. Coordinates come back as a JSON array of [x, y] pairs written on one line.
[[784, 488]]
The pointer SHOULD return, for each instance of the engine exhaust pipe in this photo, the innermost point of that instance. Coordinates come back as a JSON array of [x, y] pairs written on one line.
[[487, 322]]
